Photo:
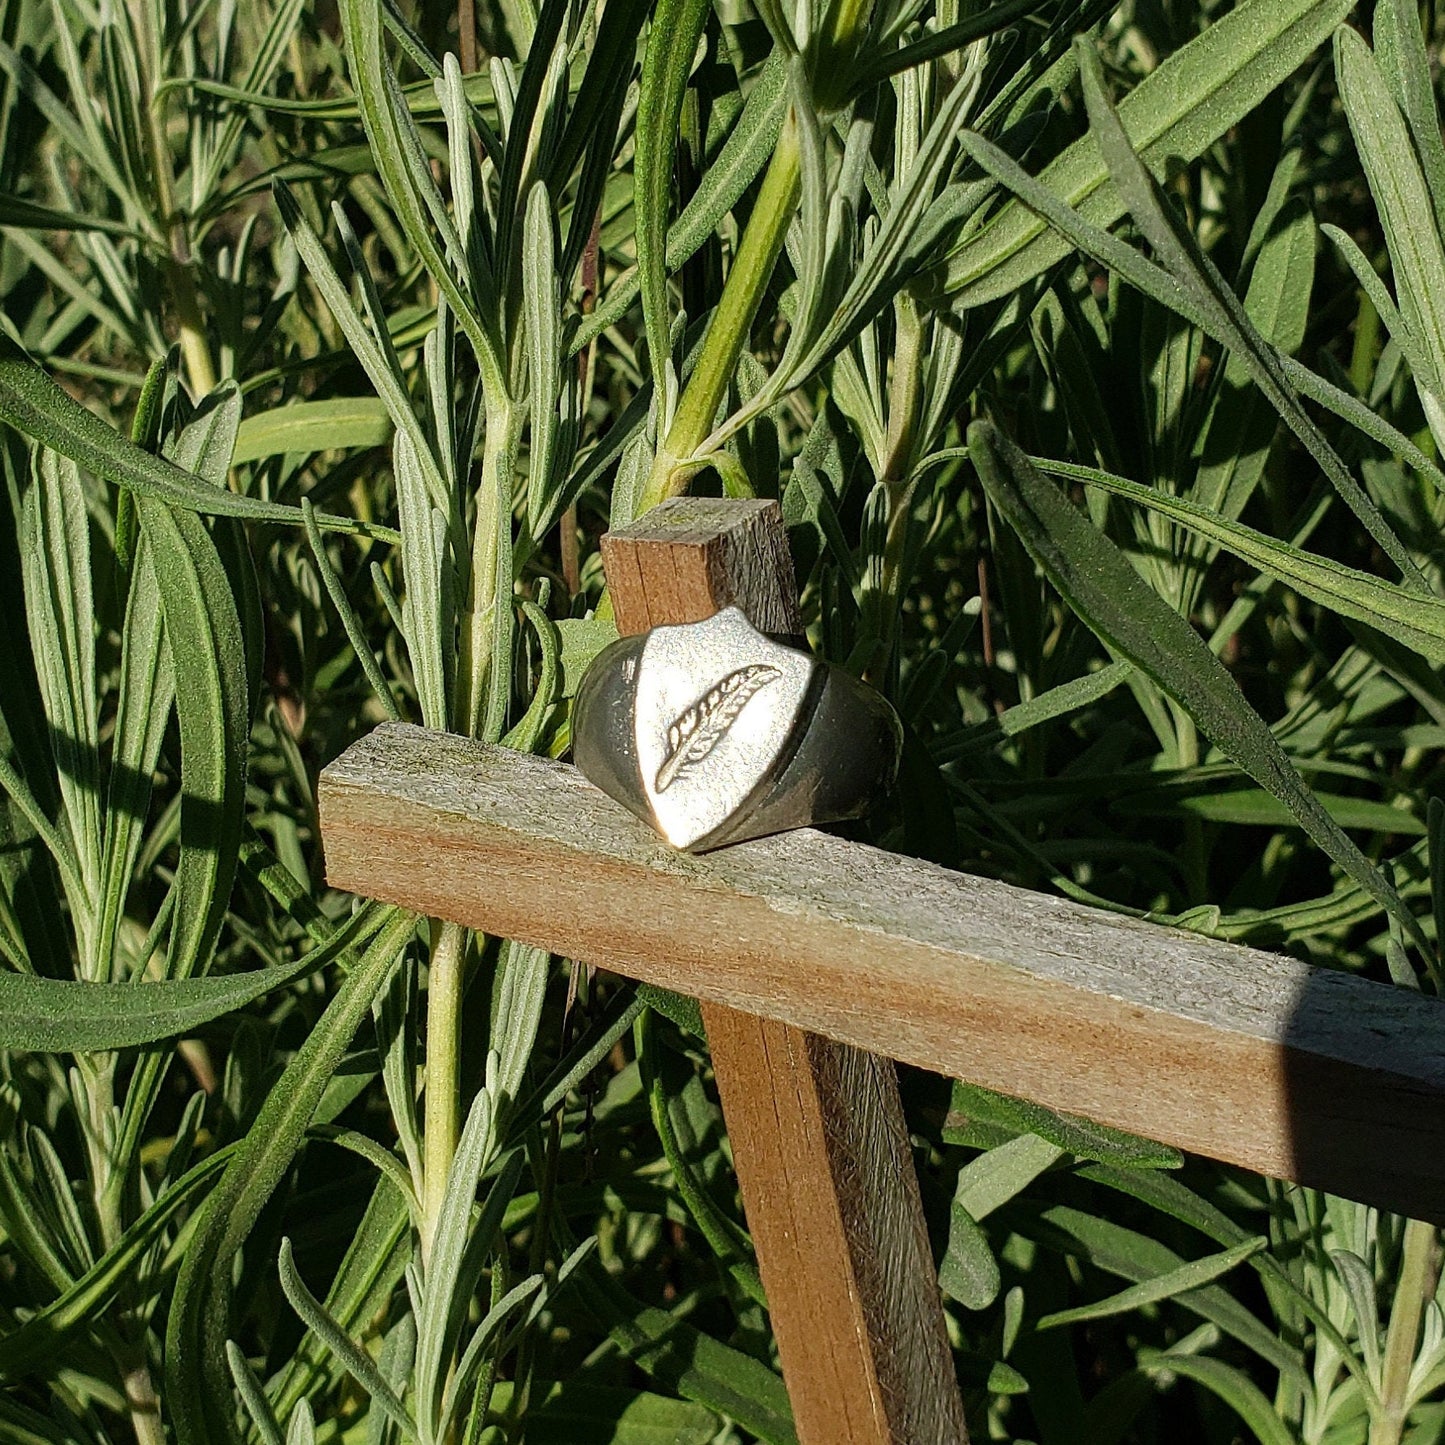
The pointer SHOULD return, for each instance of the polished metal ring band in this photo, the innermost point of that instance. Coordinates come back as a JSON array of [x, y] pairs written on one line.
[[712, 733]]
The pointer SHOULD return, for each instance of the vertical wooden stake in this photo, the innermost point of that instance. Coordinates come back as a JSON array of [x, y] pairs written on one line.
[[816, 1127]]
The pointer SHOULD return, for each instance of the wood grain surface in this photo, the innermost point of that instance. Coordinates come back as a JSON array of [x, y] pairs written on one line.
[[692, 556], [1245, 1056], [816, 1126]]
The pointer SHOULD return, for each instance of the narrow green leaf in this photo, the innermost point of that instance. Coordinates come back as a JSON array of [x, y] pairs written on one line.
[[36, 407], [1379, 297], [143, 710], [1232, 1386], [541, 312], [518, 993], [253, 1396], [370, 1271], [65, 1016], [38, 1342], [360, 1364], [446, 1289], [1055, 703], [1256, 808], [465, 129], [305, 427], [1082, 1138], [301, 1429], [568, 1073], [203, 631], [197, 1377], [1110, 598], [1359, 1282], [33, 216], [1415, 619], [672, 42], [999, 1174], [420, 98], [1135, 1256], [426, 569], [336, 590], [53, 1198], [1193, 1275], [1195, 273], [969, 1272], [285, 889], [60, 614], [1172, 115]]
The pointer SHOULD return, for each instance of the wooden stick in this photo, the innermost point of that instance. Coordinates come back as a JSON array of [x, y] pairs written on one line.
[[1249, 1057], [816, 1126]]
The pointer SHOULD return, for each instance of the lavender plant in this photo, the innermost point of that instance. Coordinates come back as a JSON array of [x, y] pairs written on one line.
[[333, 339]]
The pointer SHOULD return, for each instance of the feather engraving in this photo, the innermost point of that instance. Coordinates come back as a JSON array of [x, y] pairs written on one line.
[[704, 725]]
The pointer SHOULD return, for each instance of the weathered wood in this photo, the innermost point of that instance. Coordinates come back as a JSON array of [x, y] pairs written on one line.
[[816, 1126], [693, 556], [1248, 1057]]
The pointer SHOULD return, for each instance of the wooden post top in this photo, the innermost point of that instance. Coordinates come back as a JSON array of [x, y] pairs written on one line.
[[690, 557]]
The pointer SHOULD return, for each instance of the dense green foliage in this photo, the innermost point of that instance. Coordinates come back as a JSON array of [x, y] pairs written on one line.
[[331, 339]]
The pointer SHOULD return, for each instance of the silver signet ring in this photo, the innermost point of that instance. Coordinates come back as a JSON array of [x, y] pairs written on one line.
[[712, 733]]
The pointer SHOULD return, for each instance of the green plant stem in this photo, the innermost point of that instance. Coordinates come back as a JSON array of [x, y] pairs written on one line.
[[443, 1058], [179, 272], [190, 324], [905, 391], [144, 1403], [109, 1171], [1415, 1287], [1195, 855], [743, 292], [494, 493]]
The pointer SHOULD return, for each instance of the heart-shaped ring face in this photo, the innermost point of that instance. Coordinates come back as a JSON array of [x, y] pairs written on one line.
[[716, 706], [713, 733]]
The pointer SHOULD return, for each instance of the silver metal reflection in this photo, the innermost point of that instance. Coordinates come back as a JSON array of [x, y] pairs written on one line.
[[713, 733], [716, 702]]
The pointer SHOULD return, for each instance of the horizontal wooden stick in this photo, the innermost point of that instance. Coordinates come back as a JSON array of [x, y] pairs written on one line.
[[1248, 1057]]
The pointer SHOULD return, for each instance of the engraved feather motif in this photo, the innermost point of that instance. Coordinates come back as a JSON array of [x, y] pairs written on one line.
[[704, 725]]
